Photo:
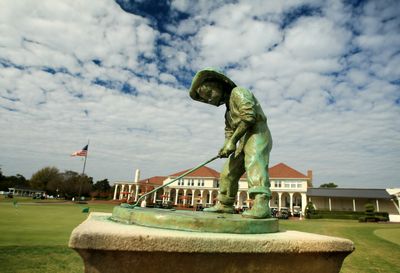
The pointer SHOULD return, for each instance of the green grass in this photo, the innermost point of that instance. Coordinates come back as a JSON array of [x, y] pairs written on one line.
[[391, 235], [372, 254], [34, 238]]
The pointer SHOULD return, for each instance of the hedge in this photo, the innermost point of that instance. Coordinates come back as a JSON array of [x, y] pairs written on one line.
[[350, 215]]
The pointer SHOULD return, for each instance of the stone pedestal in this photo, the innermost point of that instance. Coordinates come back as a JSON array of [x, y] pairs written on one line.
[[106, 246]]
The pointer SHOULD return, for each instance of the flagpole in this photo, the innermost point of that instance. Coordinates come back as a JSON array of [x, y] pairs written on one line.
[[83, 171], [84, 164]]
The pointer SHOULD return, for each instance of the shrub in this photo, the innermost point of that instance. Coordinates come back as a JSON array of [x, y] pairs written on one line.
[[371, 216], [311, 213], [348, 215]]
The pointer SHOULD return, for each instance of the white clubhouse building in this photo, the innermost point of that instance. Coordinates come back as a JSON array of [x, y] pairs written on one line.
[[290, 189], [288, 186]]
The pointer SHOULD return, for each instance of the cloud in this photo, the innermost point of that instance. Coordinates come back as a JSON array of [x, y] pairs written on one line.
[[324, 73]]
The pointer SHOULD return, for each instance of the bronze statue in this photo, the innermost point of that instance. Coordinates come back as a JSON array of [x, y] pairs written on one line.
[[248, 141]]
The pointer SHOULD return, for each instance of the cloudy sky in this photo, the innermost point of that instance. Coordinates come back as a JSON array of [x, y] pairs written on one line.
[[118, 73]]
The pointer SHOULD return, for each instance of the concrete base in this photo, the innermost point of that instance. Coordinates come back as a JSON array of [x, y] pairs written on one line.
[[106, 246]]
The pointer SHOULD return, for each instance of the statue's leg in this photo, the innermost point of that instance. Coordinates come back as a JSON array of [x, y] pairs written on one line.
[[256, 162], [229, 182]]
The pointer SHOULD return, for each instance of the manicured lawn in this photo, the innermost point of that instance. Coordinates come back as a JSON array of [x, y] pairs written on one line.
[[34, 235], [373, 254], [34, 238], [391, 235]]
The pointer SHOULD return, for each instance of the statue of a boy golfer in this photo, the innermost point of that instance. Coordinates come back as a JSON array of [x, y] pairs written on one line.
[[247, 145]]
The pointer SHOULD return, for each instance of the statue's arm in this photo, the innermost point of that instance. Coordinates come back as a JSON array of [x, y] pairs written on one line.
[[244, 101], [228, 128]]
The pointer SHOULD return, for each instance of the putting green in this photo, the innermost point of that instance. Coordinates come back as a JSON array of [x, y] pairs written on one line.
[[391, 235]]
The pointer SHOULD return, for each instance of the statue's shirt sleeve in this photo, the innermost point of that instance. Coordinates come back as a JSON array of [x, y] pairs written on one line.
[[228, 126], [243, 106]]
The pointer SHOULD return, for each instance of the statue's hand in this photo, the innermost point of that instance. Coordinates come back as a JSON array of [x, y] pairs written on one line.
[[228, 148]]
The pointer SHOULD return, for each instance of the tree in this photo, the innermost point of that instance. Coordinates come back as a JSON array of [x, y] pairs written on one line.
[[14, 181], [328, 185], [101, 189], [102, 185], [74, 184], [47, 178]]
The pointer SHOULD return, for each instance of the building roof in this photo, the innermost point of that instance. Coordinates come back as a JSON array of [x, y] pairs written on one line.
[[24, 189], [349, 193], [201, 172], [155, 180], [282, 170]]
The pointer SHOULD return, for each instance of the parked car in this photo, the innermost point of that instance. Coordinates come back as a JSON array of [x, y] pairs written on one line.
[[163, 205], [274, 212], [284, 213], [296, 211]]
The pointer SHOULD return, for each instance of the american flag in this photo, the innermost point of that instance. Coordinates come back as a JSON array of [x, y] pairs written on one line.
[[82, 152]]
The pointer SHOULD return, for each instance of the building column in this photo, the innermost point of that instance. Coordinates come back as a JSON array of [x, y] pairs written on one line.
[[176, 197], [201, 196], [184, 195], [192, 198], [115, 192], [330, 204], [154, 197], [169, 195], [303, 202], [129, 190], [136, 192], [238, 200], [354, 205], [121, 191], [291, 201], [248, 198], [398, 202], [377, 205], [279, 201], [210, 197]]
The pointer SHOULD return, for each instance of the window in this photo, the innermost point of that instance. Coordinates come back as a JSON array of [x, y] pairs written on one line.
[[202, 182]]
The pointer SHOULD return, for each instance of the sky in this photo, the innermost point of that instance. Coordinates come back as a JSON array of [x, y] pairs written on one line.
[[117, 73]]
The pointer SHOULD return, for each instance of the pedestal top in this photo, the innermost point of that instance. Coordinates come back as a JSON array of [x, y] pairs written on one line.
[[194, 220], [99, 232]]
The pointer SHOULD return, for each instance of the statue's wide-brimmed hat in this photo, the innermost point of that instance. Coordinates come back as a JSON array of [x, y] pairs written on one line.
[[209, 74]]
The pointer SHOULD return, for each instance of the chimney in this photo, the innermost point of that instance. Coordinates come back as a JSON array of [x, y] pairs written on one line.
[[137, 175], [310, 178]]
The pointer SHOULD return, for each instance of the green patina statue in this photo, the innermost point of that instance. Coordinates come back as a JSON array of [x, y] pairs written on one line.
[[247, 144]]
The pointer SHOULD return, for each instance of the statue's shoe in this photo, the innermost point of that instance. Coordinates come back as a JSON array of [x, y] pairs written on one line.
[[220, 208], [257, 213], [260, 209]]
